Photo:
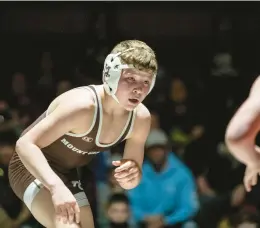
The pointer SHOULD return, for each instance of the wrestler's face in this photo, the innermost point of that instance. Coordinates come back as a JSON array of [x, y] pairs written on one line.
[[133, 87]]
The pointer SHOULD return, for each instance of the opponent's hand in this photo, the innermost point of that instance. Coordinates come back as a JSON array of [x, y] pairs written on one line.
[[128, 173], [65, 204], [251, 176]]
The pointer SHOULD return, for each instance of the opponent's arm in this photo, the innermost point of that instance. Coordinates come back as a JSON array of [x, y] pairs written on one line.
[[243, 128], [129, 172], [62, 120]]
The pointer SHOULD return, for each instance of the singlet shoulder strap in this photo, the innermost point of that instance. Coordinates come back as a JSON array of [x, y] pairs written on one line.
[[131, 123], [95, 121], [95, 92], [129, 128]]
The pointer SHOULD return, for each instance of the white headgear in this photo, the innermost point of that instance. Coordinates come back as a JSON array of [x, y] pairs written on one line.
[[112, 73]]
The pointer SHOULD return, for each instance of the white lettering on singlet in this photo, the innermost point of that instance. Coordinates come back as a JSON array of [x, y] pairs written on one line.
[[70, 146]]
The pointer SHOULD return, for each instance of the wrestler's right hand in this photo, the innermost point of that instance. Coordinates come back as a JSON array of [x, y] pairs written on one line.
[[65, 204]]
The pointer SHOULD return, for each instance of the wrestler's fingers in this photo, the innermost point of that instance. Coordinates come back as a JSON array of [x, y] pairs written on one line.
[[77, 213], [127, 165]]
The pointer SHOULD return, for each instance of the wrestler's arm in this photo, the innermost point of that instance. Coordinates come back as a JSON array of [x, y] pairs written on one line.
[[64, 118], [134, 147], [243, 128]]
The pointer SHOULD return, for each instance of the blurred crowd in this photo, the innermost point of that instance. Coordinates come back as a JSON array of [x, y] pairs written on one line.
[[190, 180]]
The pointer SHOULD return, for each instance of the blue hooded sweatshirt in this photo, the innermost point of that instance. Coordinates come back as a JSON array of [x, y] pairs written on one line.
[[170, 193]]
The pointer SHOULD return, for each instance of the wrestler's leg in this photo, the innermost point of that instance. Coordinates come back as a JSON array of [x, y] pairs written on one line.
[[43, 211], [86, 217]]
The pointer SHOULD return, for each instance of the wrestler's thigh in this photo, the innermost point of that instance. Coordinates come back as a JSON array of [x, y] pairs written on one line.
[[86, 217], [43, 211]]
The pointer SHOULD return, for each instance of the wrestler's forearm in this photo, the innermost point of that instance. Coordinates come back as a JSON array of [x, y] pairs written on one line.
[[34, 160]]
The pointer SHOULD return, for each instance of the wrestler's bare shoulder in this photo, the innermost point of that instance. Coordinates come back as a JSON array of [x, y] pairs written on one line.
[[142, 113], [142, 122], [255, 89], [78, 99]]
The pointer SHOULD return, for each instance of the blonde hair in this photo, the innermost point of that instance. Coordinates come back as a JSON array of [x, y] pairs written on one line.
[[142, 57]]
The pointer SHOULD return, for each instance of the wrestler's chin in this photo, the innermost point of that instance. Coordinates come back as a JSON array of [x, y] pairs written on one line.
[[130, 106]]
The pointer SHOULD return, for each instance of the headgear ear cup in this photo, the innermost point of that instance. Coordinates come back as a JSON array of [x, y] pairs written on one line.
[[112, 73]]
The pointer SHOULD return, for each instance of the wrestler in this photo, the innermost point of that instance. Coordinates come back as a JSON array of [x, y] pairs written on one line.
[[75, 127]]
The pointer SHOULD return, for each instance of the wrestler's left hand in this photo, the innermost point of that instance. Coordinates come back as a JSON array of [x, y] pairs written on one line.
[[128, 173]]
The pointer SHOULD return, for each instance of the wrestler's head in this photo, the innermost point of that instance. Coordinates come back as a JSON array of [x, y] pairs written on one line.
[[129, 72]]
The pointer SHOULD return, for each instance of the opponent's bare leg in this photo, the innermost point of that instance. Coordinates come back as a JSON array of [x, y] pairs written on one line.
[[43, 211]]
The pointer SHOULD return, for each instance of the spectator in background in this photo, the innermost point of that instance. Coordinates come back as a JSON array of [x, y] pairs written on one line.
[[19, 96], [12, 209], [118, 211], [19, 99], [9, 124], [179, 117], [166, 196], [5, 221], [246, 217], [46, 81]]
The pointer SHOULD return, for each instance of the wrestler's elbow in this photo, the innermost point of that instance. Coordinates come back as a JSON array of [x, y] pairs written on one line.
[[21, 145], [232, 138], [239, 136]]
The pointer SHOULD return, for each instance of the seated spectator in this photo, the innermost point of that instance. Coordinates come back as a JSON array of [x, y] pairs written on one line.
[[118, 211], [5, 220], [166, 196], [10, 125], [181, 116], [20, 98], [246, 217], [12, 209]]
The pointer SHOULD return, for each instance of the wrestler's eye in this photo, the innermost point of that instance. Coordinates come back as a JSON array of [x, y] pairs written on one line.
[[130, 79], [146, 83]]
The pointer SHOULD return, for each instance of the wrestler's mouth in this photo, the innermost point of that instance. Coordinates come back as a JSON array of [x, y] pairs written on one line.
[[134, 101]]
